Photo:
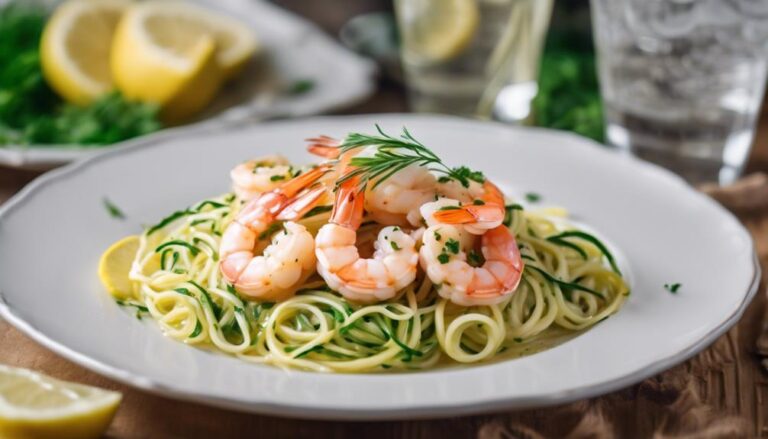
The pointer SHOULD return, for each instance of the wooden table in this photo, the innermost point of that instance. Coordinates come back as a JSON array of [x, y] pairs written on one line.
[[723, 392]]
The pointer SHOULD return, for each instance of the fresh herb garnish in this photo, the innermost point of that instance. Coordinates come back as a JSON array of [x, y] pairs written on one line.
[[394, 154], [478, 202], [453, 246], [112, 209], [140, 309], [317, 210], [169, 219], [395, 246], [208, 300], [443, 258], [566, 286], [197, 331], [182, 213], [591, 239], [277, 178], [563, 243], [475, 258], [192, 249], [300, 87], [271, 230], [508, 209], [532, 197], [672, 288], [449, 208]]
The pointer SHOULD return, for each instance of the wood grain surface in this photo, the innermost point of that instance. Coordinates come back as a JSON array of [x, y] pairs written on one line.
[[722, 392]]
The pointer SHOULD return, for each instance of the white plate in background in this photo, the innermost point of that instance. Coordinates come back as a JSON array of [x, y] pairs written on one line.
[[294, 49]]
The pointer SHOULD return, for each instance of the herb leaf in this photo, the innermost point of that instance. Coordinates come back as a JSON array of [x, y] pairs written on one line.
[[591, 239], [112, 209], [532, 197], [672, 288], [396, 153], [300, 87]]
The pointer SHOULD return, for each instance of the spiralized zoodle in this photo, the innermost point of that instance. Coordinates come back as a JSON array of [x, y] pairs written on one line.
[[569, 283]]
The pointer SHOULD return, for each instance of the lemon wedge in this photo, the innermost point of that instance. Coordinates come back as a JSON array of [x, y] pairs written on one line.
[[115, 264], [75, 46], [33, 405], [175, 25], [177, 55], [437, 30]]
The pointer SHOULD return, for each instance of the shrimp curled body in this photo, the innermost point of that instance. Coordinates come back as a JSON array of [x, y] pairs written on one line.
[[392, 267], [289, 260], [448, 248], [255, 177]]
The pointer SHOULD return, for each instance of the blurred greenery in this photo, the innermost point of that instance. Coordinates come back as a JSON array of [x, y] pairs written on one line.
[[569, 92], [31, 113]]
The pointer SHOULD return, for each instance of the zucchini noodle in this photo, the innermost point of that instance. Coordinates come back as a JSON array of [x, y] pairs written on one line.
[[570, 283]]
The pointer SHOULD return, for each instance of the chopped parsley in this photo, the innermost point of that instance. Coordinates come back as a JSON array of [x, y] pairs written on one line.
[[277, 178], [300, 87], [672, 288], [443, 258], [453, 246], [475, 258], [112, 209], [395, 246], [532, 197]]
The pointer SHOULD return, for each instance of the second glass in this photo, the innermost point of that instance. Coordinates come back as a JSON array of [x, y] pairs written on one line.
[[682, 81], [473, 57]]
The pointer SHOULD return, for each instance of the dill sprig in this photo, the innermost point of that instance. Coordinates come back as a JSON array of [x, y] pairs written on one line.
[[396, 153]]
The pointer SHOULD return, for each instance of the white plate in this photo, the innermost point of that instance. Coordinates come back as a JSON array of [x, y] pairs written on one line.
[[295, 49], [51, 236]]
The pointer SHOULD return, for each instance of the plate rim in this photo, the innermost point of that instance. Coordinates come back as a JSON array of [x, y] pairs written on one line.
[[317, 412]]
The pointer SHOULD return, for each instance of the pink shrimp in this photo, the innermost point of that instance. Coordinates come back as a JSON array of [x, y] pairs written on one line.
[[448, 256], [290, 259], [392, 267]]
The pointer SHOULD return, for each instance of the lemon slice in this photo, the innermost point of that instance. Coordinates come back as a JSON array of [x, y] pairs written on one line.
[[177, 55], [75, 46], [115, 264], [437, 30], [33, 405], [175, 25], [180, 77]]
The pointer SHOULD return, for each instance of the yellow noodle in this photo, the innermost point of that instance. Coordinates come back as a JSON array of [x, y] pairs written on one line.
[[319, 330]]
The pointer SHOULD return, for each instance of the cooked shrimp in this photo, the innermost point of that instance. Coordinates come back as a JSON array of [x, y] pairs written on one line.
[[461, 274], [450, 188], [397, 199], [289, 260], [392, 267], [260, 175], [394, 201], [478, 215], [324, 146]]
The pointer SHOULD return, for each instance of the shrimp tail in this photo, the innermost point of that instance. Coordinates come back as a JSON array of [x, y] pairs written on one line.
[[470, 214], [324, 146], [348, 207], [299, 206], [294, 186]]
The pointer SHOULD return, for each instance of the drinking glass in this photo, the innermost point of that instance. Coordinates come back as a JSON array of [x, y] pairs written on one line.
[[472, 57], [682, 81]]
